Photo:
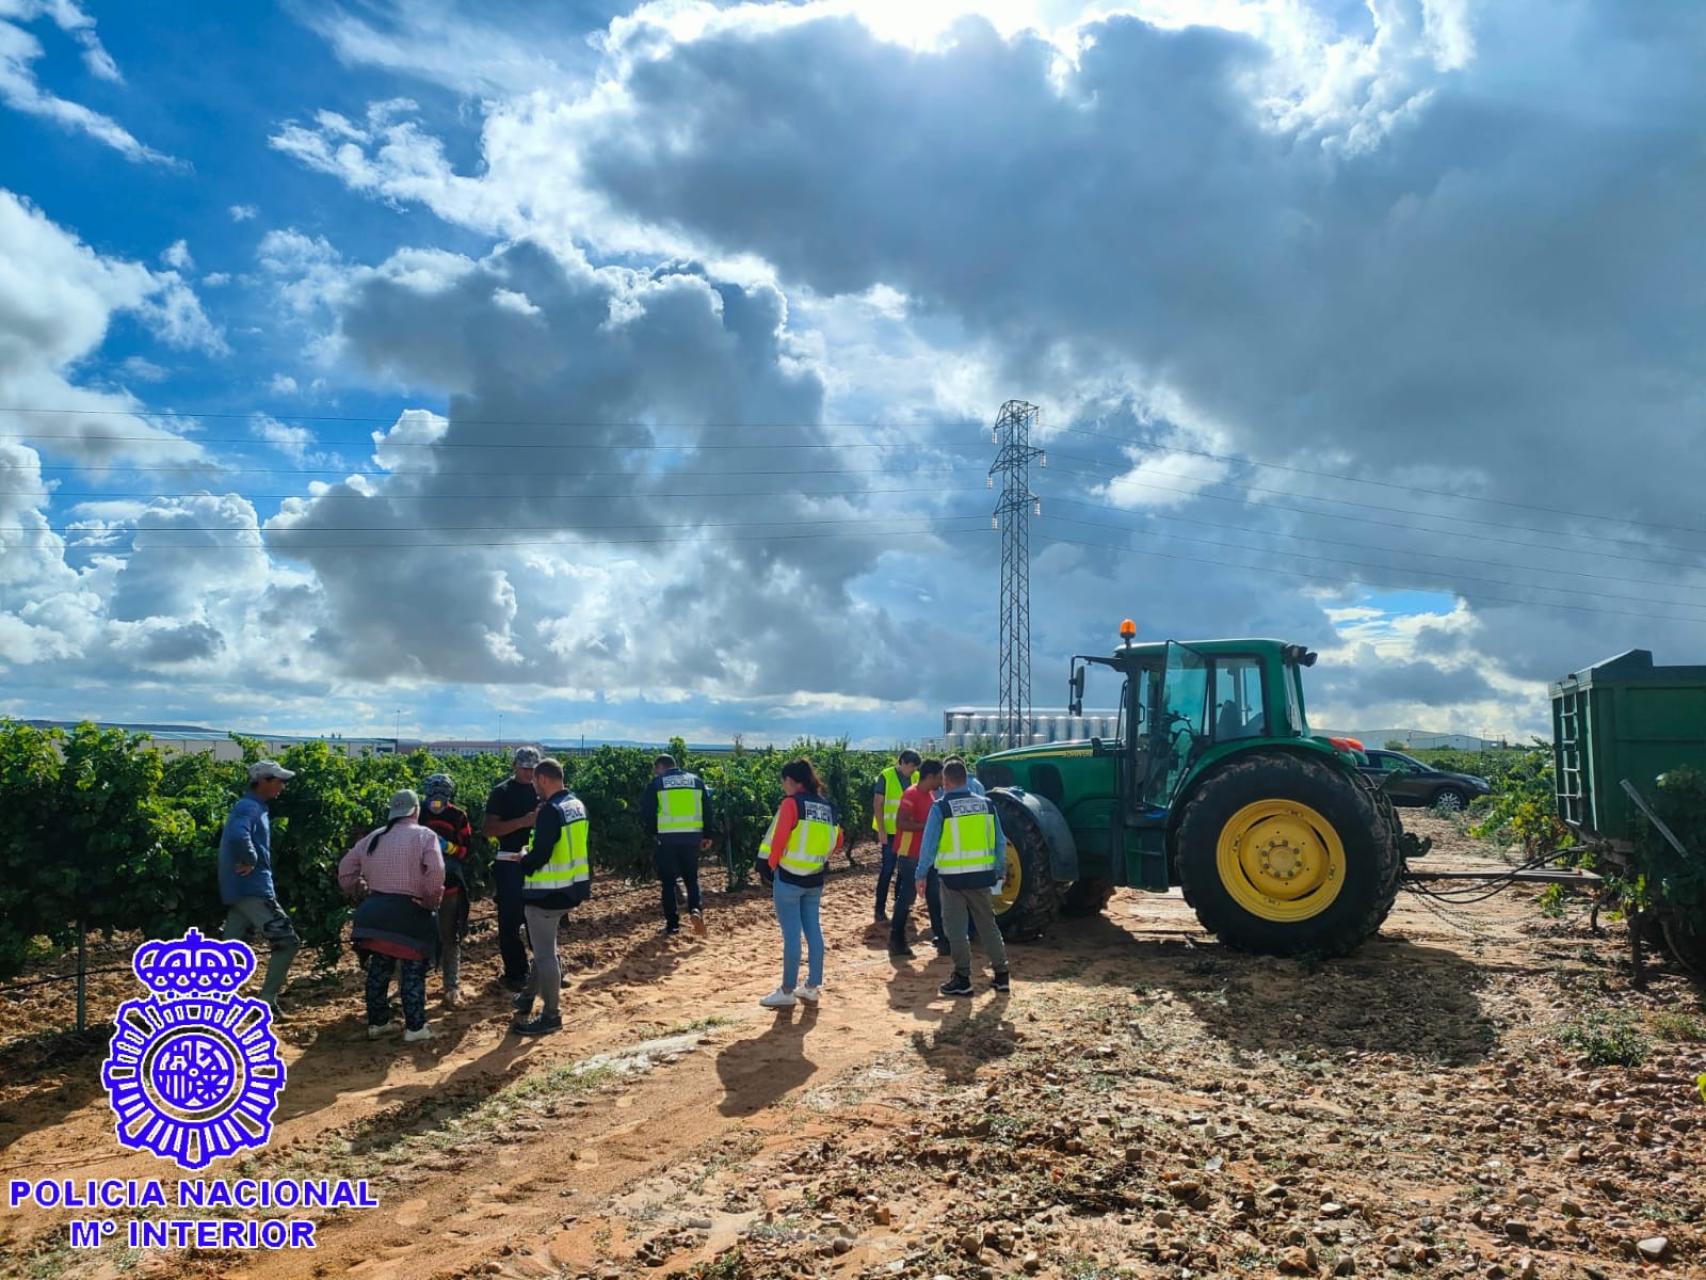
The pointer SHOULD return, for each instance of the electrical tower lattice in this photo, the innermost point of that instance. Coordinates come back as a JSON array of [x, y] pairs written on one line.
[[1013, 518]]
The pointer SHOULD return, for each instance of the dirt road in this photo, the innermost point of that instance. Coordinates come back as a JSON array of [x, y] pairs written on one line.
[[1144, 1103]]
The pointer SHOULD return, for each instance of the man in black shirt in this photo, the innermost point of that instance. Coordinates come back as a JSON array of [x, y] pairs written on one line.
[[509, 820]]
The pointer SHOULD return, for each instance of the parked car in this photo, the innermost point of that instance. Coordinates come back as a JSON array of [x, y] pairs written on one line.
[[1409, 781]]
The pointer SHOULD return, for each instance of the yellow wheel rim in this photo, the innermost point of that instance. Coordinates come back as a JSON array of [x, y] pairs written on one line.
[[1011, 883], [1281, 860]]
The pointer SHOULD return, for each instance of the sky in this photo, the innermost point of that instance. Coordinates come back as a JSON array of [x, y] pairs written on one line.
[[629, 370]]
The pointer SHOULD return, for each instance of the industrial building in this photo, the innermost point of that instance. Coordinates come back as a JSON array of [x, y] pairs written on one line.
[[967, 727]]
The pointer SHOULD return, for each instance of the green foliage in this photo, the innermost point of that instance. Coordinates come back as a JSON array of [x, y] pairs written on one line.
[[107, 834], [1607, 1038], [1672, 880], [1522, 809], [1680, 1028]]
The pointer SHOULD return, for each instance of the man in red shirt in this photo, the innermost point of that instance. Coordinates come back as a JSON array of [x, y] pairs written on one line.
[[915, 804], [441, 816]]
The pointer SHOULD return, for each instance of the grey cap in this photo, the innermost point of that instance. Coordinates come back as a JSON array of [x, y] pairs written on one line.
[[263, 769], [526, 757], [403, 803]]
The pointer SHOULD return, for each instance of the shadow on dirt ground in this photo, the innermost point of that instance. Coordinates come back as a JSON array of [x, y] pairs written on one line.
[[1392, 995], [760, 1069], [967, 1037], [64, 1074]]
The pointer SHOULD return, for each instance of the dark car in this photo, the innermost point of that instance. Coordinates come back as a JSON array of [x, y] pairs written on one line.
[[1409, 781]]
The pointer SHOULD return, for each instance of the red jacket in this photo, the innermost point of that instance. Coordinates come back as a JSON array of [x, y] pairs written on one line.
[[455, 835]]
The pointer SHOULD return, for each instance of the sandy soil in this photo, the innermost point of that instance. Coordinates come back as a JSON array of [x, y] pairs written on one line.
[[1144, 1103]]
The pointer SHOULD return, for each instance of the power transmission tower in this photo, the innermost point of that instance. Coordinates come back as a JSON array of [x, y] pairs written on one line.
[[1013, 518]]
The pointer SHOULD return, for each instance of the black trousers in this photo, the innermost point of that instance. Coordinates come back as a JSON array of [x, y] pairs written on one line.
[[905, 894], [678, 861], [512, 922]]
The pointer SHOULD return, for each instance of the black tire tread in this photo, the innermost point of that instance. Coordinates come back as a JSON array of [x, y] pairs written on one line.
[[1086, 898], [1039, 896], [1279, 774]]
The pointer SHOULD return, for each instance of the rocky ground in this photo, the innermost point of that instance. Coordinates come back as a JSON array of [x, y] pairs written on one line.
[[1476, 1093]]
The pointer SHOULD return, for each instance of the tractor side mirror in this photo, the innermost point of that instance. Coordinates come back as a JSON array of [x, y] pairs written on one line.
[[1075, 704]]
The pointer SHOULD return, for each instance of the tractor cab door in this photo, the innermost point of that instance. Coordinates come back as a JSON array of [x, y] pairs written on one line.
[[1178, 725]]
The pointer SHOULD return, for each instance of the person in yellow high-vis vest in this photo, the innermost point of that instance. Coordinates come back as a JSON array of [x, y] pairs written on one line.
[[964, 844], [795, 851], [890, 785], [556, 875], [677, 809]]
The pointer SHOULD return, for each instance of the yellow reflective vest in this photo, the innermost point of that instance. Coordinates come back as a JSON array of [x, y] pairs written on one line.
[[568, 866], [893, 787]]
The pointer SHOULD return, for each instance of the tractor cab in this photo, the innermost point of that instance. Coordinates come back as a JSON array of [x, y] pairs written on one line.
[[1180, 703], [1202, 726]]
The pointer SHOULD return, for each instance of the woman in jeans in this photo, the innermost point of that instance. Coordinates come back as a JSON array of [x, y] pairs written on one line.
[[398, 871], [803, 835]]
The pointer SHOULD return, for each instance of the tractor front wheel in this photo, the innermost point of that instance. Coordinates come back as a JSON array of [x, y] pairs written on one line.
[[1029, 899], [1283, 855]]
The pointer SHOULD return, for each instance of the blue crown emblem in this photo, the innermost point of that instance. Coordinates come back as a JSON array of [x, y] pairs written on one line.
[[193, 1071], [193, 965]]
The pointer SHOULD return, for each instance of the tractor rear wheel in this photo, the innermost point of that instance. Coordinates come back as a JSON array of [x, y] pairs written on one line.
[[1686, 939], [1029, 899], [1282, 855]]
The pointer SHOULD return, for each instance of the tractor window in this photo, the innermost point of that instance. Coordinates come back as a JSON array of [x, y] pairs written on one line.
[[1181, 732], [1239, 708], [1294, 699]]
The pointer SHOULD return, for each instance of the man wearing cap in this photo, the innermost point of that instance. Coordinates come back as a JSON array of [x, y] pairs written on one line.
[[510, 809], [245, 876]]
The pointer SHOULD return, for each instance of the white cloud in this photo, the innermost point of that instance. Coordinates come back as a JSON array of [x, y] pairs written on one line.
[[293, 442], [282, 384], [57, 297], [143, 369], [244, 212], [215, 280], [20, 90], [177, 256]]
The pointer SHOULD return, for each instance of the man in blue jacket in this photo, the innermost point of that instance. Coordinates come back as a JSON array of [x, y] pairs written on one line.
[[245, 876], [964, 844]]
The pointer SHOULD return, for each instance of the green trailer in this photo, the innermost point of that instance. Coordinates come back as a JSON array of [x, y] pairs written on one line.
[[1618, 728], [1622, 719]]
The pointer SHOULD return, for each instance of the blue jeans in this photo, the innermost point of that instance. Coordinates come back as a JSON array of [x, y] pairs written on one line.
[[797, 913], [884, 876]]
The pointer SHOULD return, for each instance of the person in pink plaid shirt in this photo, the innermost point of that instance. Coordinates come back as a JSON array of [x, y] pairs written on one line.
[[402, 870]]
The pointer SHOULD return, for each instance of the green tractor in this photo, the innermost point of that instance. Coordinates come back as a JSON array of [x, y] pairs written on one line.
[[1215, 784]]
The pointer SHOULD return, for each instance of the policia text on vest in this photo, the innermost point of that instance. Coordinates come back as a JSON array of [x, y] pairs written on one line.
[[677, 801]]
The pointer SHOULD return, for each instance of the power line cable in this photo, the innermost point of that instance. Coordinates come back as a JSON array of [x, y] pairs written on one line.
[[1340, 582], [1367, 506], [540, 424], [1347, 542], [1388, 568]]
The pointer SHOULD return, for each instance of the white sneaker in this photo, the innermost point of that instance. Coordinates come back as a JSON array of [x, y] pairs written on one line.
[[808, 994], [779, 999], [452, 997], [384, 1029], [415, 1037]]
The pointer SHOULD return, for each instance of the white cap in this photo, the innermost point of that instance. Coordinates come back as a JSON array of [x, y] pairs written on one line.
[[263, 769]]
